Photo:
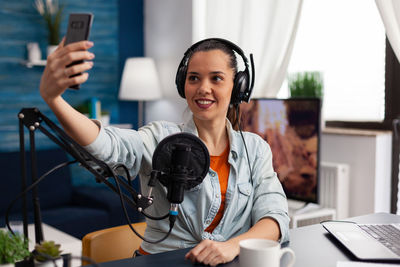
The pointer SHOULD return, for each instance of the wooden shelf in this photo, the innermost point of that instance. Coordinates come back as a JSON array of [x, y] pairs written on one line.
[[354, 132], [31, 64]]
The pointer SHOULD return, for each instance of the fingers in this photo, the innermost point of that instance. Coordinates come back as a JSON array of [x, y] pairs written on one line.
[[76, 56], [62, 52], [192, 254], [66, 58], [60, 78], [75, 74], [78, 46], [78, 68], [77, 79], [66, 82], [82, 45], [56, 77], [211, 258], [206, 252], [213, 252], [62, 68], [61, 44]]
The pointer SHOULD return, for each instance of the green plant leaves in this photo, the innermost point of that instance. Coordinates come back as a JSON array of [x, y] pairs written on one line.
[[52, 15], [13, 248], [306, 84]]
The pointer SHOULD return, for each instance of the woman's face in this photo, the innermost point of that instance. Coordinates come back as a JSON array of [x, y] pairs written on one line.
[[208, 85]]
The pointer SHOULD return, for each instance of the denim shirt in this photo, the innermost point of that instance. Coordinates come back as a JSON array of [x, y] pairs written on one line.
[[250, 196]]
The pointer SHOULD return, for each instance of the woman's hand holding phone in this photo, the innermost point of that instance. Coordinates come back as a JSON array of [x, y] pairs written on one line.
[[57, 77], [66, 68]]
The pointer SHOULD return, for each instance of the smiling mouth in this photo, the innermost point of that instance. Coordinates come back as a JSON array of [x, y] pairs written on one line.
[[204, 103]]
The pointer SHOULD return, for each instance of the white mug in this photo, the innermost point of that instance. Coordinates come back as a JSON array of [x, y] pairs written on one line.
[[262, 253]]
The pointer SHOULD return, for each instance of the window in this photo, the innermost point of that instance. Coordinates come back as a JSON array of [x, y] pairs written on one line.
[[345, 40]]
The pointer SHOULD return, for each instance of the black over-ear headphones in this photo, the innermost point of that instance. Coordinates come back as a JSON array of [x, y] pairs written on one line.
[[242, 87]]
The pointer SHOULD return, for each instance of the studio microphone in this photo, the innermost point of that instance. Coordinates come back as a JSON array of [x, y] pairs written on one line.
[[180, 162]]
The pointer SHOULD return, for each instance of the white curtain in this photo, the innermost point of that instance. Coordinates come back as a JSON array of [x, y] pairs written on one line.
[[266, 28], [390, 13]]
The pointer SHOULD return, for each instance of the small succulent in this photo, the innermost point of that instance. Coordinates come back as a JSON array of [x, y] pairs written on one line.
[[47, 250]]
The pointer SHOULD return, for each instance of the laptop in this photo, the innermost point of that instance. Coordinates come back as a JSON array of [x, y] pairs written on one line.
[[369, 242]]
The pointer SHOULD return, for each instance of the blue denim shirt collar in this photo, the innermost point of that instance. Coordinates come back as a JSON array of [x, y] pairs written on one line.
[[189, 126]]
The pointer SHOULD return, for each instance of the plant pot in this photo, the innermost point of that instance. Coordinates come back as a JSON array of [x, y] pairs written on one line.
[[34, 53], [51, 49], [58, 263]]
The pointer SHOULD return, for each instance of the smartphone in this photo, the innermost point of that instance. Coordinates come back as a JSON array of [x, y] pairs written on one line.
[[79, 25]]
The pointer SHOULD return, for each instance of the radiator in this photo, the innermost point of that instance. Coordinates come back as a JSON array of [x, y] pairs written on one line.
[[312, 217], [334, 188]]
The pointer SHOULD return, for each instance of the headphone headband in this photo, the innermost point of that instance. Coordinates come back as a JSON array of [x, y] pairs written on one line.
[[242, 87], [228, 43]]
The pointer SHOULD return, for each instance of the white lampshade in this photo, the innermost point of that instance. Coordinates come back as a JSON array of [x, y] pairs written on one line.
[[139, 80]]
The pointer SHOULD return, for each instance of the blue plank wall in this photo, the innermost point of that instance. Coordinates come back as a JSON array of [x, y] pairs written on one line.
[[20, 24]]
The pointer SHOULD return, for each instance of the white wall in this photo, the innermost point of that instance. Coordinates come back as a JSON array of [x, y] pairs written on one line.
[[369, 155], [168, 33]]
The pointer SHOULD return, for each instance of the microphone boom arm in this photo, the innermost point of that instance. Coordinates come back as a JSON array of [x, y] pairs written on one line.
[[33, 119]]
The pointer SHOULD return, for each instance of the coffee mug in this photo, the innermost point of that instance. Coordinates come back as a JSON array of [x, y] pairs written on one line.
[[262, 253]]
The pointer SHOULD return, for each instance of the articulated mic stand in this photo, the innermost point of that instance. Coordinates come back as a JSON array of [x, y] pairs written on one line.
[[33, 119]]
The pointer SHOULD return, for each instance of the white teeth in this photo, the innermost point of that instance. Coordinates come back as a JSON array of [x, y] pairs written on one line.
[[204, 102]]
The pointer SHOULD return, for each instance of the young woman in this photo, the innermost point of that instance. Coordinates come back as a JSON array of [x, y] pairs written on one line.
[[240, 197]]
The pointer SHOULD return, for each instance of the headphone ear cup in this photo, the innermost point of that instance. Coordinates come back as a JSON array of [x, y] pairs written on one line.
[[240, 86], [180, 80]]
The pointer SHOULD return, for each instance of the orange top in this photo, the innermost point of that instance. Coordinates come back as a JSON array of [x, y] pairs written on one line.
[[141, 251], [220, 165]]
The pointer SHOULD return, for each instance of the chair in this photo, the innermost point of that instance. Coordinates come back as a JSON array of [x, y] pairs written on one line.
[[113, 243]]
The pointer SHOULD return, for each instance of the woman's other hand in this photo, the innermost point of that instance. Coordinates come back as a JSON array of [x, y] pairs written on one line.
[[212, 253], [56, 76]]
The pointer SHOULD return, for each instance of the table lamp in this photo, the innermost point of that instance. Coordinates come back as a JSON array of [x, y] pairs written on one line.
[[140, 83]]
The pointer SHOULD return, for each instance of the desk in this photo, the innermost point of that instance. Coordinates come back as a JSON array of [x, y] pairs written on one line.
[[315, 247], [312, 245]]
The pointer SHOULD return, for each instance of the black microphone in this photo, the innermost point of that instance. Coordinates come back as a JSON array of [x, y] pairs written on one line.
[[180, 161]]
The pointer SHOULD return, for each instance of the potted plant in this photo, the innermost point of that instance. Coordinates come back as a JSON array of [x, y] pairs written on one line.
[[48, 254], [303, 85], [51, 12], [13, 248], [306, 84]]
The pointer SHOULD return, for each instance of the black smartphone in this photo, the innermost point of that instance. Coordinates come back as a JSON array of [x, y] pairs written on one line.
[[79, 25]]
